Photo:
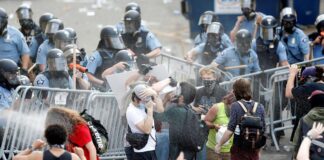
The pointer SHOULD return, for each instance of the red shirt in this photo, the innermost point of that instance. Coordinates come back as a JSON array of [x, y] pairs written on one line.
[[80, 137]]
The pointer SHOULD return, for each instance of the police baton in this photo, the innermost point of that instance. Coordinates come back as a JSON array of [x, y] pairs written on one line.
[[235, 67]]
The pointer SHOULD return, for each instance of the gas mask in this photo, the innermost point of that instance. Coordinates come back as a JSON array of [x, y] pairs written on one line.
[[288, 26], [248, 13], [27, 24], [214, 39]]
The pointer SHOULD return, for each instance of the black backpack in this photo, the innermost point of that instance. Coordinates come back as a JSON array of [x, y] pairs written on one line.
[[316, 151], [98, 132], [194, 132], [251, 129]]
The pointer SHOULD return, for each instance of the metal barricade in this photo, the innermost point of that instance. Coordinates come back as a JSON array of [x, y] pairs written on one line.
[[182, 70], [25, 120]]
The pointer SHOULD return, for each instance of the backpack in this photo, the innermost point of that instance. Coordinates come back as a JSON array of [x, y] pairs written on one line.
[[316, 151], [194, 132], [98, 132], [251, 129]]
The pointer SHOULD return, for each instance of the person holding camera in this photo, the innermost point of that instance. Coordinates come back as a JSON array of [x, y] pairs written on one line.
[[311, 79], [139, 115], [317, 39]]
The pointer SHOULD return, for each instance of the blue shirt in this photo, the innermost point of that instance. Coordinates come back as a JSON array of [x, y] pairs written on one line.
[[202, 38], [42, 81], [95, 61], [152, 42], [5, 98], [297, 46], [13, 45], [43, 51], [281, 50], [230, 57], [33, 47]]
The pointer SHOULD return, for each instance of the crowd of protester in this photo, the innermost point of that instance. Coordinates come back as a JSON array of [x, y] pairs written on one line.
[[231, 123]]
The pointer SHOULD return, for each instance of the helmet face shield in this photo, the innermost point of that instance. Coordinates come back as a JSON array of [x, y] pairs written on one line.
[[132, 26], [60, 44], [214, 39], [24, 13], [11, 77], [114, 42], [52, 28], [56, 64], [267, 34], [205, 19], [243, 46]]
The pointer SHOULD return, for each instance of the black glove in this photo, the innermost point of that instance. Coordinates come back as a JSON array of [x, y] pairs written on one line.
[[23, 72], [173, 82], [105, 87], [144, 69]]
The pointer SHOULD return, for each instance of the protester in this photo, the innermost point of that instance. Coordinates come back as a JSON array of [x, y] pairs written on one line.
[[314, 133], [315, 115], [311, 80], [56, 136], [217, 117], [139, 117], [77, 130], [175, 115], [244, 104]]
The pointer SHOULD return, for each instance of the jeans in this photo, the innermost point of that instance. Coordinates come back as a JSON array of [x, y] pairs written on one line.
[[162, 146]]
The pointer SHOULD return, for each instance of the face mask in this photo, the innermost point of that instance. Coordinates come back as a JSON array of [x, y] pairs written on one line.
[[209, 83], [27, 24]]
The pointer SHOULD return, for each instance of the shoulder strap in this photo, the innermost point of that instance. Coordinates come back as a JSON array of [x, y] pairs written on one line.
[[242, 106], [255, 107]]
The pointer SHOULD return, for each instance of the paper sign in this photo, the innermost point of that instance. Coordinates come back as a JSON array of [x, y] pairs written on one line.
[[228, 7], [60, 98]]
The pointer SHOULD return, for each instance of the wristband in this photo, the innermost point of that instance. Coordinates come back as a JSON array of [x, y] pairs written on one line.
[[308, 136]]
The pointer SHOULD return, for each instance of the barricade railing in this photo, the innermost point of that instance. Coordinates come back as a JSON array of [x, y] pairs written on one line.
[[25, 121], [183, 70]]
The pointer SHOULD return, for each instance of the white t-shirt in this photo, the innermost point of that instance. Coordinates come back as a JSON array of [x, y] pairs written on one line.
[[134, 115]]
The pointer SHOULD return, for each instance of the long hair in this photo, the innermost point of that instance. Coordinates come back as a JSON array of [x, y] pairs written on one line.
[[242, 89], [65, 117]]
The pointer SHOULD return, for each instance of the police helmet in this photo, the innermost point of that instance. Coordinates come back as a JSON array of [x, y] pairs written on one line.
[[72, 33], [214, 33], [53, 26], [44, 19], [288, 15], [132, 20], [56, 60], [69, 50], [133, 6], [110, 38], [319, 23], [243, 40], [62, 38], [3, 20], [8, 71], [24, 12], [207, 18], [124, 56], [268, 28]]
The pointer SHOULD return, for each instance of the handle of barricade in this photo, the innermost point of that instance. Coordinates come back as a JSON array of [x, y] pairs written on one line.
[[311, 50]]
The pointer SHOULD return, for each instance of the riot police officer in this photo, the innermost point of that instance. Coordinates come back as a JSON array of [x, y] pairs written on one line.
[[317, 39], [13, 44], [141, 42], [62, 38], [269, 49], [28, 28], [206, 19], [294, 39], [52, 27], [56, 76], [9, 81], [207, 52], [104, 57], [249, 20], [130, 6], [44, 18], [241, 54], [82, 80]]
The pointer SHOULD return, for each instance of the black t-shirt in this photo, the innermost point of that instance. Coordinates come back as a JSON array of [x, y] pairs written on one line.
[[208, 100], [301, 94]]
